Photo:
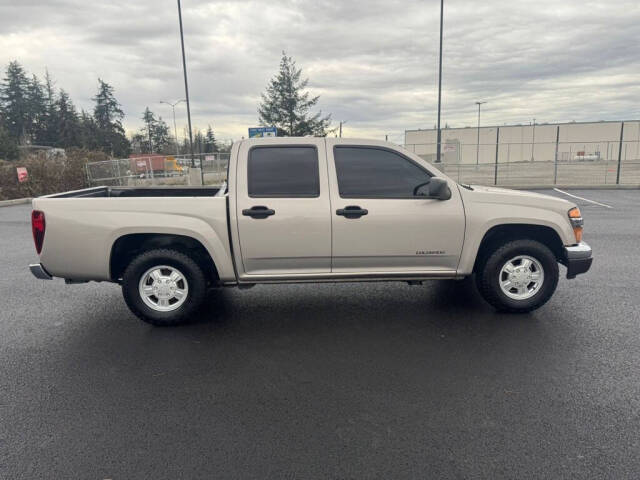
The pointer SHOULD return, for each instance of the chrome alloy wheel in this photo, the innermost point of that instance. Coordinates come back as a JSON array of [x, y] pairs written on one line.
[[163, 288], [521, 277]]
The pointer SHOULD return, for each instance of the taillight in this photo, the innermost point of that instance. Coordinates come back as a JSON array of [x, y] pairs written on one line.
[[38, 226], [575, 217]]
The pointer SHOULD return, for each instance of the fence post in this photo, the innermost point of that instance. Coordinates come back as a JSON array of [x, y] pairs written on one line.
[[495, 170], [118, 170], [555, 161], [620, 153]]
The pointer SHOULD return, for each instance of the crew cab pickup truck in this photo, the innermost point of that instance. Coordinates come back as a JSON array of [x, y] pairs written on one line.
[[309, 210]]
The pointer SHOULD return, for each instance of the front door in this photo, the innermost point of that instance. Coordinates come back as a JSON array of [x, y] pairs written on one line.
[[381, 219], [283, 208]]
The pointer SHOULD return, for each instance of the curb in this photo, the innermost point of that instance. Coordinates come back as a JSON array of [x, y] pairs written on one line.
[[15, 201]]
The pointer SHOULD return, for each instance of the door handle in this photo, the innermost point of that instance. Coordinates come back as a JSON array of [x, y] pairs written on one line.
[[352, 211], [258, 212]]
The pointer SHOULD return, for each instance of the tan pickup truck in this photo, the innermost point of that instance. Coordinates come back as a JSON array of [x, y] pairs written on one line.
[[309, 210]]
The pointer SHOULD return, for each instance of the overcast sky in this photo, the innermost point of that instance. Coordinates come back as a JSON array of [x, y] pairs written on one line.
[[373, 63]]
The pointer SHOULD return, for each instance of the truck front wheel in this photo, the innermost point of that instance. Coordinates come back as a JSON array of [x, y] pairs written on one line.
[[163, 287], [519, 276]]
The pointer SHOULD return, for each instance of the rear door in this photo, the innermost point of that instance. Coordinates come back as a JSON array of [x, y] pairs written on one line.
[[381, 219], [282, 207]]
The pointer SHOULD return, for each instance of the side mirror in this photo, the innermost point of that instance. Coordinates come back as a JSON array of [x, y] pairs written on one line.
[[438, 188]]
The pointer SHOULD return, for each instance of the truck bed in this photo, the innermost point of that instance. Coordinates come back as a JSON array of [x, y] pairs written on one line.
[[166, 191], [82, 226]]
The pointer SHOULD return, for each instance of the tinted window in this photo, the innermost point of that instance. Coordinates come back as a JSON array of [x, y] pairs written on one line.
[[283, 172], [373, 172]]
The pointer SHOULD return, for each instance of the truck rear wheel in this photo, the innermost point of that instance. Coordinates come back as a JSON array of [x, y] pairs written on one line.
[[163, 287], [519, 276]]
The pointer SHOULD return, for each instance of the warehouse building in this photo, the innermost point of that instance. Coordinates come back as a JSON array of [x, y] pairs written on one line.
[[546, 142]]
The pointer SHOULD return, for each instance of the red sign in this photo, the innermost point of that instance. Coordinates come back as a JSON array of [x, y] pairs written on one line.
[[23, 176]]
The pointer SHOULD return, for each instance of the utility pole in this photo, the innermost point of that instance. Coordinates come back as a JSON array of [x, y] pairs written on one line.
[[175, 129], [533, 138], [478, 143], [440, 81], [186, 86]]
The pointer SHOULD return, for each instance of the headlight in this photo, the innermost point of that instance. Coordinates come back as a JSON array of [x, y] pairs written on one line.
[[575, 217]]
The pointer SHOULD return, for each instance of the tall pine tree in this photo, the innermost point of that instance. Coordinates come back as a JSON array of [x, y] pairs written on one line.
[[286, 105], [37, 112], [50, 117], [108, 116], [210, 145], [14, 100], [68, 125]]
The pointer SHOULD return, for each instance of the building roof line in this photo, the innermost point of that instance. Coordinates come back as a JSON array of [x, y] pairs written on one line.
[[542, 124]]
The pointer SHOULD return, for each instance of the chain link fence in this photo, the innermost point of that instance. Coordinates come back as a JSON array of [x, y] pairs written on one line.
[[503, 164], [147, 170], [542, 163]]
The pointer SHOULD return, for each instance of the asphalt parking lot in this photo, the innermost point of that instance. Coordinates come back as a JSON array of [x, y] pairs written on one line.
[[377, 380]]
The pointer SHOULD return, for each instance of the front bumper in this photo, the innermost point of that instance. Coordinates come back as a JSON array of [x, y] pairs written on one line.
[[577, 259], [39, 272]]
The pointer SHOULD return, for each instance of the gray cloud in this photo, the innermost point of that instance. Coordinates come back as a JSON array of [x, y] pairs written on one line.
[[374, 63]]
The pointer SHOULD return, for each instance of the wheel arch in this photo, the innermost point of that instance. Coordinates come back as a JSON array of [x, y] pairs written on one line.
[[126, 247], [500, 234]]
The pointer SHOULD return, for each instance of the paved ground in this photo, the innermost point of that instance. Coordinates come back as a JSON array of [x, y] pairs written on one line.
[[329, 381]]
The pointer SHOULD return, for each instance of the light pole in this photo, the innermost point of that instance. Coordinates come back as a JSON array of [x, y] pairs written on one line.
[[175, 129], [440, 80], [478, 143], [533, 139], [342, 123], [186, 86], [149, 133]]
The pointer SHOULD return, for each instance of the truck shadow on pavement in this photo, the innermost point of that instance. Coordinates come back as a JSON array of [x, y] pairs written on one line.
[[448, 304]]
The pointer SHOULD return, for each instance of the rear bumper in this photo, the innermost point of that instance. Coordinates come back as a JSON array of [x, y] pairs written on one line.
[[39, 272], [578, 259]]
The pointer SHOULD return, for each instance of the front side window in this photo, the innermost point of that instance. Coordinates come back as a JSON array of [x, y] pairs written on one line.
[[283, 172], [375, 172]]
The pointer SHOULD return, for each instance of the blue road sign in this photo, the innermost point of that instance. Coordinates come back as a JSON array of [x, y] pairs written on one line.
[[256, 132]]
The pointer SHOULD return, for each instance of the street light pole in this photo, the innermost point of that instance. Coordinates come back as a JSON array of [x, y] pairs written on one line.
[[186, 86], [440, 81], [175, 129], [149, 133], [342, 123], [533, 139], [478, 143]]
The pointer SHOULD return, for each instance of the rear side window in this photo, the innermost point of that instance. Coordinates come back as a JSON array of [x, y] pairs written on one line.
[[375, 172], [283, 172]]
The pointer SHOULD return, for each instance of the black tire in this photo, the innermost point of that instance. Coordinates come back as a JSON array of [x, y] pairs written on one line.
[[186, 265], [488, 275]]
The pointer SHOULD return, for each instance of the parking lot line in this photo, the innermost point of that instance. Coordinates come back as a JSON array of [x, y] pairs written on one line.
[[582, 198]]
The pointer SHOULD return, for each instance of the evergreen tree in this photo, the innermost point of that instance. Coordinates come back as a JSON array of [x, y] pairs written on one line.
[[161, 138], [50, 117], [210, 145], [198, 142], [286, 105], [88, 132], [108, 116], [154, 136], [8, 145], [36, 100], [68, 125], [14, 99], [149, 120]]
